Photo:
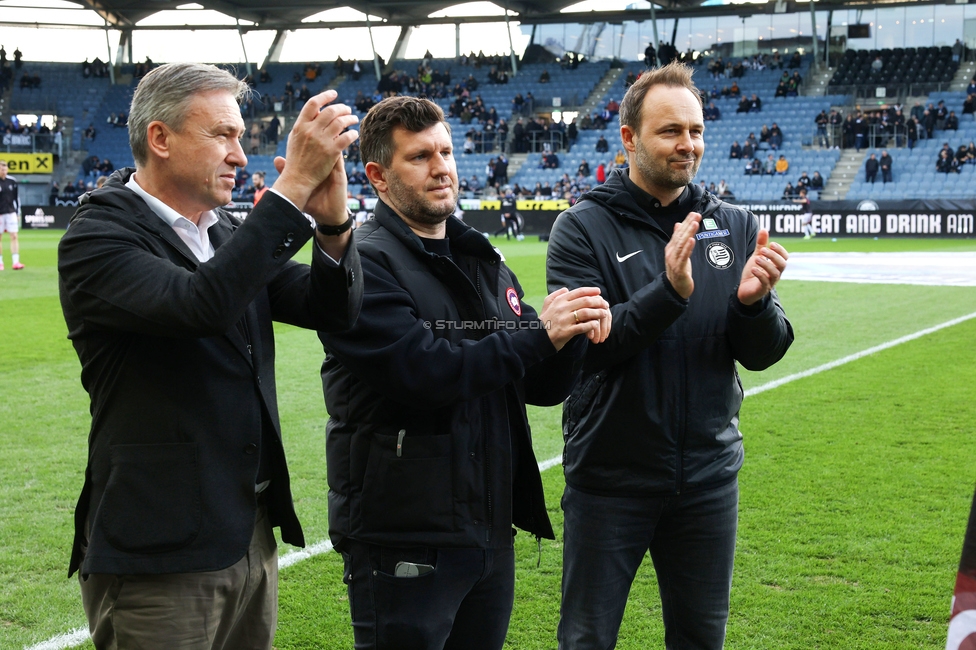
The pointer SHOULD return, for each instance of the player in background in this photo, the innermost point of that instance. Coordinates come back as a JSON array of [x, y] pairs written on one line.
[[806, 218], [9, 215]]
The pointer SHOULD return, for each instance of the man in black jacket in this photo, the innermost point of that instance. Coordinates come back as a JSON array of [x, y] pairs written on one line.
[[871, 168], [169, 303], [652, 441], [429, 453], [885, 163]]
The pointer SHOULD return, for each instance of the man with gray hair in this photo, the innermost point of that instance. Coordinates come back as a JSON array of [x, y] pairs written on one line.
[[169, 303]]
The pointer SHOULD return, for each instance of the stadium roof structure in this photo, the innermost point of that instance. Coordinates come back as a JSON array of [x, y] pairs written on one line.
[[293, 14]]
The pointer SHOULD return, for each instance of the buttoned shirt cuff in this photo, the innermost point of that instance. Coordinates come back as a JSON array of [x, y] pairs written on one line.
[[311, 221]]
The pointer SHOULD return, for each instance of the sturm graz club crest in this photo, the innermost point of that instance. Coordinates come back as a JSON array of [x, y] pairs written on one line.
[[719, 255]]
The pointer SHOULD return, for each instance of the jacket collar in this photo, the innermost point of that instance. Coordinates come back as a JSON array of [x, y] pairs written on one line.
[[464, 239], [114, 194], [616, 197]]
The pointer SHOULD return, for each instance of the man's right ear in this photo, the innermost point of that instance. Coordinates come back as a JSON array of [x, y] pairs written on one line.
[[377, 176], [158, 139], [627, 137]]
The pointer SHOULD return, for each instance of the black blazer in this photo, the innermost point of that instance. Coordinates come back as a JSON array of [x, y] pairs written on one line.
[[178, 358]]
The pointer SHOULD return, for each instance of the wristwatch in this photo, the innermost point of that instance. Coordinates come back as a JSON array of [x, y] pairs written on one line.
[[332, 231]]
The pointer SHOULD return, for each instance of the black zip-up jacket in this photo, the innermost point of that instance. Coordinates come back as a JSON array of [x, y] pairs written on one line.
[[178, 358], [656, 409], [426, 396]]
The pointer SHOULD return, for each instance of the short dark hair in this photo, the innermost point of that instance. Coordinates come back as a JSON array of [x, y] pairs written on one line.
[[674, 74], [415, 114]]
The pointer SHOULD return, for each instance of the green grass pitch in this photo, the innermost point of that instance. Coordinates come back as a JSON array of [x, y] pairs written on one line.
[[854, 494]]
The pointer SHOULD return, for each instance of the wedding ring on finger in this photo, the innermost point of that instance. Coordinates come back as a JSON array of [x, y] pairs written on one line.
[[576, 316]]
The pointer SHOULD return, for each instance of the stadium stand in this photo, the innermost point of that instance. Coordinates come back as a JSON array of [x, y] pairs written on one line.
[[924, 69]]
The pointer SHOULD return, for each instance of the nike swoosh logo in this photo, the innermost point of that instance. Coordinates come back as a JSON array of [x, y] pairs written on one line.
[[627, 257]]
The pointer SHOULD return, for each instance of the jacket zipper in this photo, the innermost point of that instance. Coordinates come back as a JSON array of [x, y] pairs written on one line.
[[484, 435], [682, 422]]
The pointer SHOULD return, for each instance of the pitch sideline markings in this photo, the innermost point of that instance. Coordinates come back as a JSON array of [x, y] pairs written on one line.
[[76, 637]]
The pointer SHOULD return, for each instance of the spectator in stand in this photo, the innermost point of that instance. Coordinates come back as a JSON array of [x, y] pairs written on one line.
[[550, 161], [734, 90], [877, 64], [601, 174], [836, 120], [583, 170], [962, 155], [757, 167], [946, 163], [952, 122], [723, 188], [969, 106], [971, 150], [744, 105], [712, 113], [735, 151], [751, 164], [789, 192], [255, 136], [871, 166], [764, 134], [803, 182], [941, 113], [630, 79], [90, 133], [749, 149], [782, 165], [793, 86], [602, 146], [613, 107], [755, 104], [501, 169], [957, 49], [769, 167], [816, 182], [650, 56], [775, 137], [822, 120], [620, 159], [885, 162], [274, 128], [970, 89], [781, 89], [929, 122]]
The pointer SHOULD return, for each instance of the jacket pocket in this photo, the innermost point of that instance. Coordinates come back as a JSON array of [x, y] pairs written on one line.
[[151, 502], [408, 486], [580, 401]]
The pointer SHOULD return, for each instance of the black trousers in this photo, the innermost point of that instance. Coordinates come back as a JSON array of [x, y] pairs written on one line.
[[464, 602]]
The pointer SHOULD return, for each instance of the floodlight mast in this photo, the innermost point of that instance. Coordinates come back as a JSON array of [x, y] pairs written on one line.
[[511, 46]]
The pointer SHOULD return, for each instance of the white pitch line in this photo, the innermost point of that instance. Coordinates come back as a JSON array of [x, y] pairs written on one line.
[[77, 637], [71, 639], [857, 355], [294, 557]]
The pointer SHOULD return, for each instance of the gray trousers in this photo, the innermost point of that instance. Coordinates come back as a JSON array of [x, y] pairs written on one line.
[[231, 609]]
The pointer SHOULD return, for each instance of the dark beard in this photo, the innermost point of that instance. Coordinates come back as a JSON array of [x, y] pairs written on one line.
[[415, 207]]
